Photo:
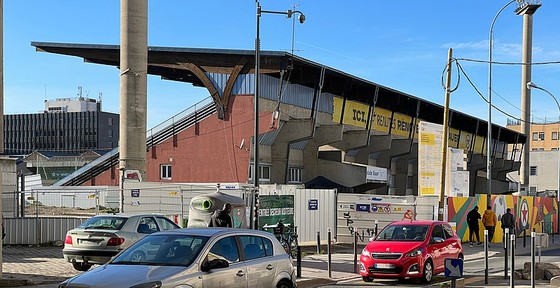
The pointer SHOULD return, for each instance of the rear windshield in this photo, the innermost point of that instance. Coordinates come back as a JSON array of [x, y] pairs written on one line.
[[105, 222], [403, 233]]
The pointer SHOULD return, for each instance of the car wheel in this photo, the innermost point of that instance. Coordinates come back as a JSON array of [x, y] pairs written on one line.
[[285, 284], [367, 278], [428, 272], [138, 256], [81, 266]]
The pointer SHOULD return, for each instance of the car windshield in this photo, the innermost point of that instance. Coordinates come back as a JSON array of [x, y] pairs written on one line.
[[403, 233], [105, 222], [162, 250]]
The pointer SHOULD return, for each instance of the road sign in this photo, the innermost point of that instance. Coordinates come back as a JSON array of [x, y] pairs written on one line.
[[453, 268]]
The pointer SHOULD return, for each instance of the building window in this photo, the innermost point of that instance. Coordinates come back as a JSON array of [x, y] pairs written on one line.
[[535, 136], [165, 172], [541, 136], [264, 173], [554, 149], [294, 175], [110, 122], [554, 136], [533, 170]]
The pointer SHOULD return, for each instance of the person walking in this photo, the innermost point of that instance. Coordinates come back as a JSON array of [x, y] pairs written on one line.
[[472, 221], [221, 218], [489, 220], [508, 222]]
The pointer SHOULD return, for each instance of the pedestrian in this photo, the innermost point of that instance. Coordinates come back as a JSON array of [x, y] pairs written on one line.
[[508, 222], [472, 221], [489, 220], [221, 218]]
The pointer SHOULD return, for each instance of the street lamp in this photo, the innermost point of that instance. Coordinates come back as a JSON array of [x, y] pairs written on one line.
[[255, 193], [489, 138], [121, 192], [531, 85]]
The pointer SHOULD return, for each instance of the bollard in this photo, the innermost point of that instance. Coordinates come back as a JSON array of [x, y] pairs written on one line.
[[329, 268], [376, 223], [506, 240], [355, 250], [512, 249], [485, 256], [533, 244], [298, 271], [318, 242]]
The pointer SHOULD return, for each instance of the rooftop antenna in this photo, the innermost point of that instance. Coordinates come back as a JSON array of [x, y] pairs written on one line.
[[80, 92]]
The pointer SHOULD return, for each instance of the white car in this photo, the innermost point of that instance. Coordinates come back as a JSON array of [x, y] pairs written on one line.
[[196, 257], [103, 236]]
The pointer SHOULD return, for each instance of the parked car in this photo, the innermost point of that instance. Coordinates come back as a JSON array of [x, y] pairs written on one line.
[[410, 249], [103, 236], [196, 257]]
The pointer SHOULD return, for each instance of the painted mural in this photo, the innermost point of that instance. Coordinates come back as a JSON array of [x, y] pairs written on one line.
[[538, 213]]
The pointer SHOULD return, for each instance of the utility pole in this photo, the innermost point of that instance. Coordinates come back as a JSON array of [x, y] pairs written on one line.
[[527, 10], [445, 137]]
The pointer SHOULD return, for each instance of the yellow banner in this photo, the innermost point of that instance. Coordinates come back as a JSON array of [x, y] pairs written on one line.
[[382, 120]]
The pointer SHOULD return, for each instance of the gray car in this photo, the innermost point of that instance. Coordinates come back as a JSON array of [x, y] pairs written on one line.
[[196, 257], [103, 236]]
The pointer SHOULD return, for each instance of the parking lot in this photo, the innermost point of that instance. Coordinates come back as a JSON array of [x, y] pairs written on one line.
[[35, 266]]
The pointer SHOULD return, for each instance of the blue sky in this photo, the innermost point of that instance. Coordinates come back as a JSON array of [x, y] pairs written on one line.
[[401, 44]]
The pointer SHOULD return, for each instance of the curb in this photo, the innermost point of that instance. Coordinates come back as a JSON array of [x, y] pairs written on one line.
[[6, 282]]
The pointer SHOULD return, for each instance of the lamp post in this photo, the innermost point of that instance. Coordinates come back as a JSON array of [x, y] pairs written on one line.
[[255, 193], [531, 85], [489, 138], [121, 192]]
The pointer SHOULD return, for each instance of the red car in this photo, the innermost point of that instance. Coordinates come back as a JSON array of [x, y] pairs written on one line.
[[408, 249]]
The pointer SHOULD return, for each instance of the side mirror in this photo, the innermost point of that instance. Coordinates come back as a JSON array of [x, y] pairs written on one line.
[[371, 238], [214, 264], [437, 240]]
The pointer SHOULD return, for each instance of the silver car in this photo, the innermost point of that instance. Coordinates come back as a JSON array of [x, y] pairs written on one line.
[[196, 257], [103, 236]]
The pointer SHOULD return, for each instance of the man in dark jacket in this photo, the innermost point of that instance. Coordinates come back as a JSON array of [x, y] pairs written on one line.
[[472, 221], [508, 221], [221, 218]]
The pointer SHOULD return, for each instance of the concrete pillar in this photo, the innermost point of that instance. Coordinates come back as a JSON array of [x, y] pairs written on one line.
[[1, 83], [291, 131], [527, 58], [410, 177], [324, 135], [133, 85], [393, 176]]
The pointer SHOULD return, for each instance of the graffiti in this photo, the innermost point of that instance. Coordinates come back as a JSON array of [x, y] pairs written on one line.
[[354, 231], [531, 213], [409, 215]]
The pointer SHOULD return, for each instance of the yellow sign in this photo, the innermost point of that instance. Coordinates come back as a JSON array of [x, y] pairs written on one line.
[[91, 196], [173, 193], [356, 114]]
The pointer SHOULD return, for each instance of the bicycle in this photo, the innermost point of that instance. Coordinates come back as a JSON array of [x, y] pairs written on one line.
[[287, 237]]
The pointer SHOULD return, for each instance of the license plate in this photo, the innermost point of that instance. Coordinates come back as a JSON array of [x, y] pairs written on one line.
[[384, 266]]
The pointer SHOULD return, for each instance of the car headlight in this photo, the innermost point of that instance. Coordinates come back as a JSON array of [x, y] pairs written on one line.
[[414, 253], [365, 252], [153, 284]]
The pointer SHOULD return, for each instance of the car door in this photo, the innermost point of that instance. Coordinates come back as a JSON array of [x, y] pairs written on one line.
[[451, 241], [437, 248], [260, 261], [234, 276]]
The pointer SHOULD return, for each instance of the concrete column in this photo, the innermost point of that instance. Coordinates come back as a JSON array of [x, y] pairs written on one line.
[[527, 51], [410, 177], [133, 85], [392, 177], [1, 84]]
